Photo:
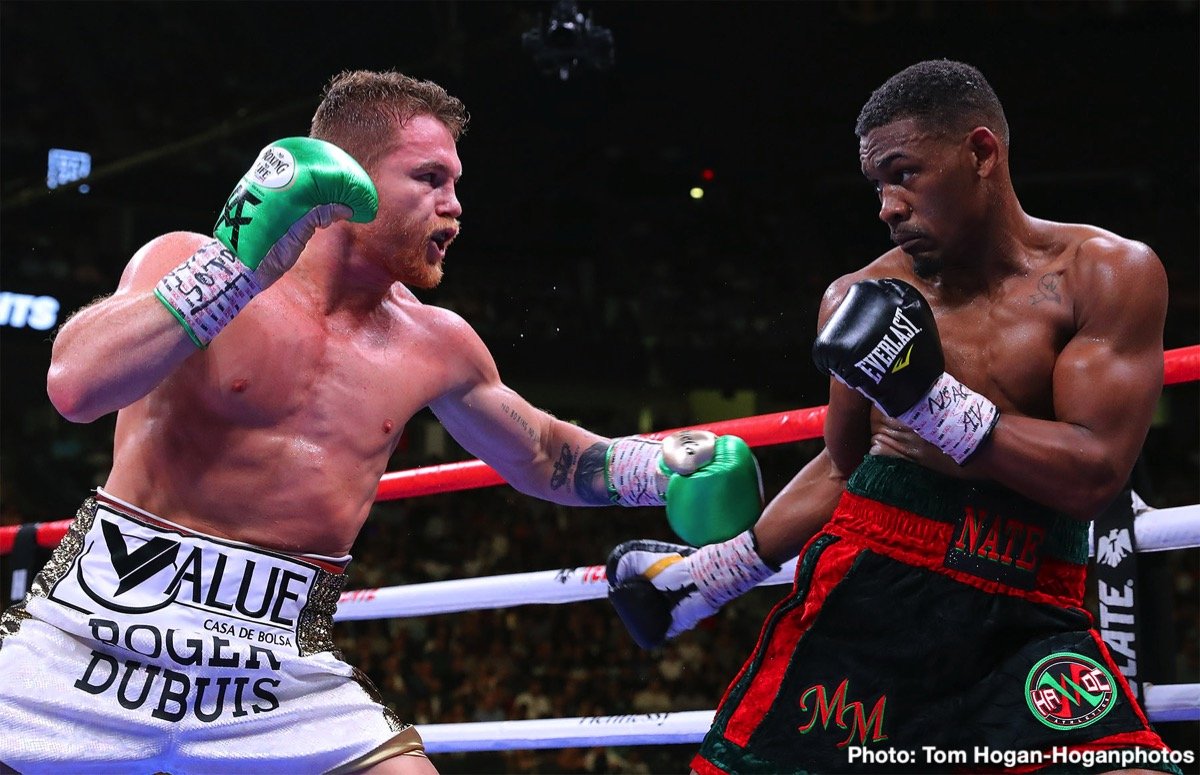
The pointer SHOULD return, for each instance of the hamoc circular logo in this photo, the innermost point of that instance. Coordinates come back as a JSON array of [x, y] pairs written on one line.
[[1069, 691]]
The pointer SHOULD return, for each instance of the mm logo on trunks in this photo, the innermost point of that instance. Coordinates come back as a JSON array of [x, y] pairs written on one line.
[[850, 716], [1069, 691], [130, 568]]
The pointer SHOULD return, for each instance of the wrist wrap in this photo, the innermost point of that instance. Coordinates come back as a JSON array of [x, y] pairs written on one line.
[[632, 474], [726, 570], [207, 290], [953, 417]]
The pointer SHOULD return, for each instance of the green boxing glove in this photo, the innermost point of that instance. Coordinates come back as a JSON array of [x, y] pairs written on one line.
[[289, 179], [295, 186], [710, 485]]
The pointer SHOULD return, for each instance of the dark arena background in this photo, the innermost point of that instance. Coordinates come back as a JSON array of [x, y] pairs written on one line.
[[652, 212]]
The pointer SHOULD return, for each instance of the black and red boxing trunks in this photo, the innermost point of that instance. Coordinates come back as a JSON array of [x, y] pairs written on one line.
[[935, 625]]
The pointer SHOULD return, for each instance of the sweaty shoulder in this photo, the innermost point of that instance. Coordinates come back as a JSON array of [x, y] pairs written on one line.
[[1118, 282], [159, 256], [890, 264], [1105, 265], [1103, 251], [438, 322], [458, 345]]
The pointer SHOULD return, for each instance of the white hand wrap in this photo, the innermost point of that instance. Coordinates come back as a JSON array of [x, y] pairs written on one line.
[[206, 291], [953, 417], [633, 475], [726, 570]]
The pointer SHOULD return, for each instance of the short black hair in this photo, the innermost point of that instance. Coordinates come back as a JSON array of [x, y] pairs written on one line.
[[950, 96]]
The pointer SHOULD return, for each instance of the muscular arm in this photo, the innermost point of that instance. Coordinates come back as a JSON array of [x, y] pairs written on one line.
[[800, 509], [1106, 382], [116, 350], [534, 451]]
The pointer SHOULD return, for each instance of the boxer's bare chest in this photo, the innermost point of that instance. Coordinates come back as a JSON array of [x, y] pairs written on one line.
[[288, 410], [323, 390], [339, 374], [1006, 342]]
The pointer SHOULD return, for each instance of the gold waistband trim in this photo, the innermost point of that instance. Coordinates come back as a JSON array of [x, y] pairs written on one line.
[[406, 743]]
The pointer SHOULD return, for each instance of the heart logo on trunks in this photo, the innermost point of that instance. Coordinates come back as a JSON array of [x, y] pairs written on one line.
[[1069, 691]]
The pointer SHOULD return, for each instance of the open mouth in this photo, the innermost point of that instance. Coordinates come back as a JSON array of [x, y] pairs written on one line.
[[443, 237]]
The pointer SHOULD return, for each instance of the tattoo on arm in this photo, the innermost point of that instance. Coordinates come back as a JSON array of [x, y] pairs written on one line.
[[589, 475], [519, 420], [562, 467], [1047, 290]]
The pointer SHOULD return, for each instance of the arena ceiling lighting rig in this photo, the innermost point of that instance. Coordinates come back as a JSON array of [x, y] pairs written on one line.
[[568, 40]]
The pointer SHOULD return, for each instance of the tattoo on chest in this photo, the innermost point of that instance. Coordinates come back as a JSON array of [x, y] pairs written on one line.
[[1047, 290], [520, 421], [562, 467]]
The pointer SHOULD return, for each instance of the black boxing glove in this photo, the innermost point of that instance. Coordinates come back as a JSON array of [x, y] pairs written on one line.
[[883, 342], [661, 590]]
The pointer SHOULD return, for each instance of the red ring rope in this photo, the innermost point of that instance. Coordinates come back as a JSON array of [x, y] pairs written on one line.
[[1180, 365]]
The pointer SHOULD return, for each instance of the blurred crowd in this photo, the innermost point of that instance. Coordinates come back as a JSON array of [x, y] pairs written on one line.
[[524, 662]]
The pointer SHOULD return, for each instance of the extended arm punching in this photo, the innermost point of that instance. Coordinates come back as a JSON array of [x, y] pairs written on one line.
[[710, 485], [661, 590]]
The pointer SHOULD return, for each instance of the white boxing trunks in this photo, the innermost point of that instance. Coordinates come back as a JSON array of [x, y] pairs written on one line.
[[144, 646]]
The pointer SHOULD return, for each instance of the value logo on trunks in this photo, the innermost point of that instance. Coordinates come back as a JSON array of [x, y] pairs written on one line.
[[996, 548], [1069, 691], [137, 574]]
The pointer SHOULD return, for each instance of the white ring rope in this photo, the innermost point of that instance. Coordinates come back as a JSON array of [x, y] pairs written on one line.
[[1156, 530], [1175, 702], [1161, 530], [580, 732]]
